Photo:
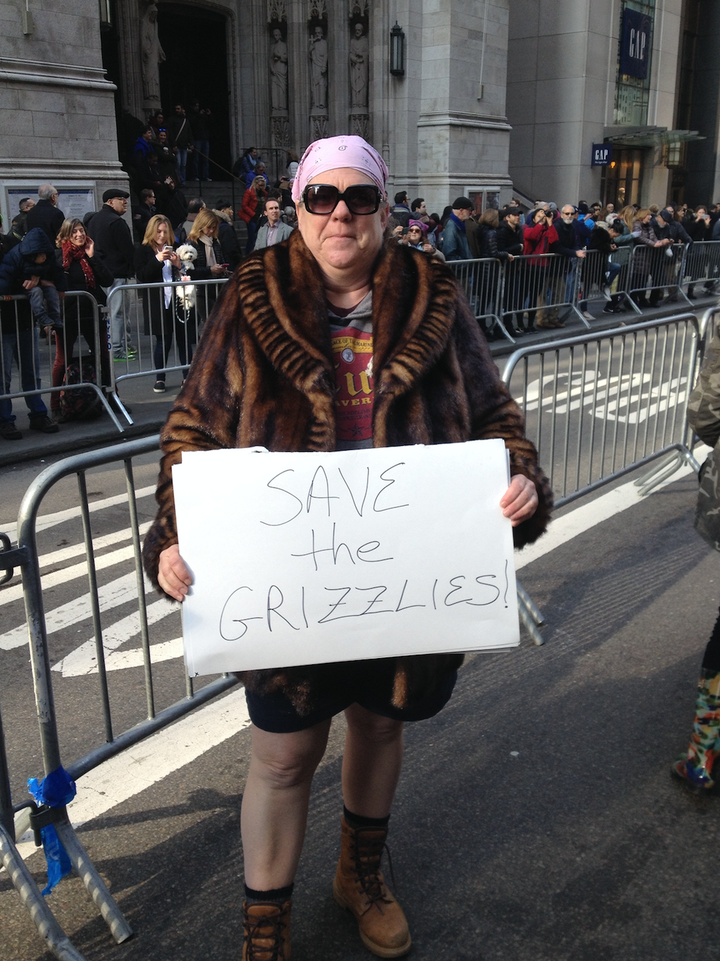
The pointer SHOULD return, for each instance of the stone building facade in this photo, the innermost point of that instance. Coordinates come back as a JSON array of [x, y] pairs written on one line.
[[57, 111], [491, 94], [294, 69]]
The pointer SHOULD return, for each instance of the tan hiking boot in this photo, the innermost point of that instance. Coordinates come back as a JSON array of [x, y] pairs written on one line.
[[360, 887], [267, 931]]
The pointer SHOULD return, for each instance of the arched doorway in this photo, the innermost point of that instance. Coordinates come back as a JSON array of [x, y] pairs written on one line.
[[196, 68]]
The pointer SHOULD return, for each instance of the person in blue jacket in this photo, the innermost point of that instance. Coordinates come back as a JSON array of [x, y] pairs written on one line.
[[455, 244], [33, 263], [20, 338]]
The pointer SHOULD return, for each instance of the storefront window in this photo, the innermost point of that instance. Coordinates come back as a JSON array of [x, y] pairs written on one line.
[[632, 90], [622, 180]]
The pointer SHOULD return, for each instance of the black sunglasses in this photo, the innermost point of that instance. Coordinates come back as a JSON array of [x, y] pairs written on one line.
[[360, 199]]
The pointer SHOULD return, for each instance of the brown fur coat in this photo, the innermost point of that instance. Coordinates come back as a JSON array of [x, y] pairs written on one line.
[[263, 376]]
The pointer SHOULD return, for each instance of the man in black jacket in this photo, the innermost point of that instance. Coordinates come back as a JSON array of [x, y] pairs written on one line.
[[114, 246], [672, 231], [509, 239], [570, 245], [45, 213], [401, 211]]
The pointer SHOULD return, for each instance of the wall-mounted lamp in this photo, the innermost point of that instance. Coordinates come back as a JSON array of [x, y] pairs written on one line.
[[28, 24], [106, 21], [397, 51]]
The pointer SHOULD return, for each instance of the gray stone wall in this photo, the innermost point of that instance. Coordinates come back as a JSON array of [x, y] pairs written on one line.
[[57, 114]]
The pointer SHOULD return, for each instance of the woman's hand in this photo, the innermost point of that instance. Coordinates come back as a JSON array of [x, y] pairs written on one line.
[[90, 247], [217, 270], [173, 576], [520, 500], [175, 260]]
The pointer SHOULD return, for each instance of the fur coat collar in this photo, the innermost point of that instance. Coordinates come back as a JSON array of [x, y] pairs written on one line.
[[263, 376]]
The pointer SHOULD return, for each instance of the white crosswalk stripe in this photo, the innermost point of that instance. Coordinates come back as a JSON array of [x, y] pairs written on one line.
[[83, 660], [46, 521]]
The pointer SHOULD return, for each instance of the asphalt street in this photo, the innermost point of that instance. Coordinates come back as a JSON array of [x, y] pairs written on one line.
[[536, 817]]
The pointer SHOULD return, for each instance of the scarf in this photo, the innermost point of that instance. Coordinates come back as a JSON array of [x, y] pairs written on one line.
[[69, 253], [210, 258]]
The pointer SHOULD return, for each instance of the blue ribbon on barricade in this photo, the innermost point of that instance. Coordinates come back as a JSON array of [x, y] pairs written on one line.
[[55, 791]]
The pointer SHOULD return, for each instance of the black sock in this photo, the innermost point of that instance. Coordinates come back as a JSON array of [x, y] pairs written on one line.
[[358, 821], [281, 895]]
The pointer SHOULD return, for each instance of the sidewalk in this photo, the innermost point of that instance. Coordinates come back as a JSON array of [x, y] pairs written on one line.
[[150, 410]]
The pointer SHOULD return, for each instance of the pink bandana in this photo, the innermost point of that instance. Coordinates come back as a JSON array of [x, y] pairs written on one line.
[[332, 153]]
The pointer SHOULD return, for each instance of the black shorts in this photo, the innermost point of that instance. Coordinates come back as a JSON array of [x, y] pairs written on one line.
[[367, 683]]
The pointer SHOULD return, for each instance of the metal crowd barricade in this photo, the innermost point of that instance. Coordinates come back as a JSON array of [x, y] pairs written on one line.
[[540, 284], [25, 556], [708, 327], [164, 321], [702, 266], [598, 406], [482, 281], [82, 340], [655, 269]]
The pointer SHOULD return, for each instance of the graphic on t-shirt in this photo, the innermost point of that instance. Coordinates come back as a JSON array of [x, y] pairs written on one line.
[[352, 352]]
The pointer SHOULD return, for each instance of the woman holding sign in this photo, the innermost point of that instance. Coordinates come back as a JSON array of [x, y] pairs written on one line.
[[302, 326]]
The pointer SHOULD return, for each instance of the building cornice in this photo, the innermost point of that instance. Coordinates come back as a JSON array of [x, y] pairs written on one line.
[[475, 179], [54, 74], [15, 169], [462, 120]]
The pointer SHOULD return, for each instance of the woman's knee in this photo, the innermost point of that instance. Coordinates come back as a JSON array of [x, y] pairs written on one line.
[[373, 728], [288, 760]]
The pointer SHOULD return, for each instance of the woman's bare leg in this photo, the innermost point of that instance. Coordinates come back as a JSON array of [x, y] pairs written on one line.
[[275, 803], [371, 762]]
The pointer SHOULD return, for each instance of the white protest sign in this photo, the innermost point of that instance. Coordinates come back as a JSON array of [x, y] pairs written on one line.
[[306, 558]]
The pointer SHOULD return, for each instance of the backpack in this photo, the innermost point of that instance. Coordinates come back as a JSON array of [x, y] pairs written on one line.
[[81, 403]]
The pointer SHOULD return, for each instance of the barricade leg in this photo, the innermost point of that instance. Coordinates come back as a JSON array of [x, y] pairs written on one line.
[[96, 887], [50, 931], [40, 659], [665, 468], [530, 615]]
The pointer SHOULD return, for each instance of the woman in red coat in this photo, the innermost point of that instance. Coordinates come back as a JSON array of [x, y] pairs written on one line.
[[252, 209], [537, 239]]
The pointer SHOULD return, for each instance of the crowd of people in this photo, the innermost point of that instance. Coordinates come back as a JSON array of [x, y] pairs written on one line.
[[100, 253], [538, 285]]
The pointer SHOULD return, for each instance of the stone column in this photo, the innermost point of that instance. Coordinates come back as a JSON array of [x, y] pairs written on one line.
[[128, 21], [338, 82], [298, 75]]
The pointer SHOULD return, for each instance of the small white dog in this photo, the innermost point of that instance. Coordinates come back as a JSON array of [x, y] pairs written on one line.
[[187, 295]]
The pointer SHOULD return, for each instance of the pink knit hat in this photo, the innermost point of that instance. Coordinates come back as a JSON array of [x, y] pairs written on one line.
[[332, 153]]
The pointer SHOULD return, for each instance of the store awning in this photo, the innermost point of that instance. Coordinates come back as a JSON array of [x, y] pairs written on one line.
[[647, 136]]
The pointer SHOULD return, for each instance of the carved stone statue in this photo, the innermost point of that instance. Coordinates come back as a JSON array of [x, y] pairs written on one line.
[[318, 70], [152, 53], [359, 62], [278, 72]]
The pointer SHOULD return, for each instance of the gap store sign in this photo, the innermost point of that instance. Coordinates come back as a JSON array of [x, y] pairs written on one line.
[[635, 51], [601, 154]]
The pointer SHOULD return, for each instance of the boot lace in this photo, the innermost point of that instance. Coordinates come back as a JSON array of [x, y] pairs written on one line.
[[266, 928], [367, 852]]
